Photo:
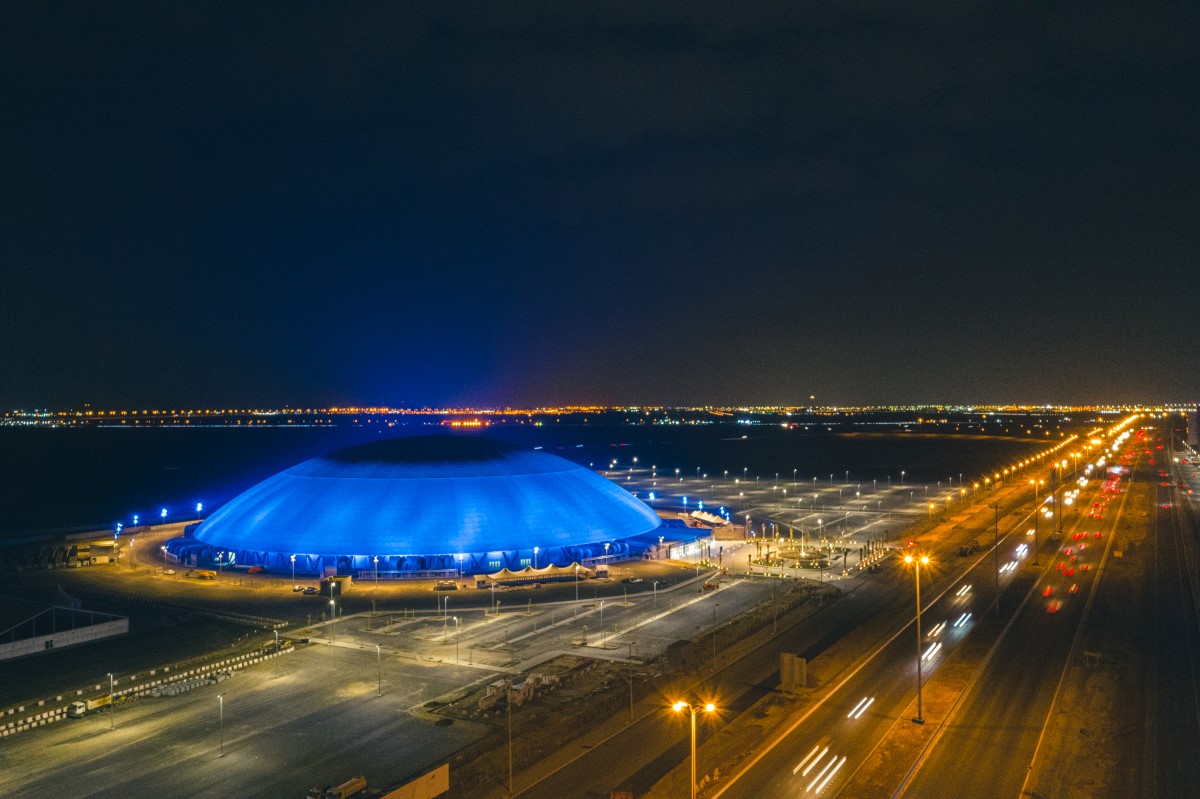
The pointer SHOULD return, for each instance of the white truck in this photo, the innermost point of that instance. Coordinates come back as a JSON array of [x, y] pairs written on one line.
[[78, 710]]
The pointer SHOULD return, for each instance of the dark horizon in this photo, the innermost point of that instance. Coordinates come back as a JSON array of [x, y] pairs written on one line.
[[497, 206]]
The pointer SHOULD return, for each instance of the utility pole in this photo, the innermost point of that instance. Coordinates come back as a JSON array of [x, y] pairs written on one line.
[[996, 550]]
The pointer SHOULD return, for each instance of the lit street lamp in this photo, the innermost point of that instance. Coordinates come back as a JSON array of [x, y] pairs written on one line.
[[221, 700], [678, 707], [917, 562], [293, 559]]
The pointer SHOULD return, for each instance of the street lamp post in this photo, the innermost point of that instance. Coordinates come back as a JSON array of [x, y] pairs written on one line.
[[1035, 522], [601, 623], [917, 561], [456, 636], [378, 671], [293, 559], [715, 606], [221, 700], [276, 652], [112, 705], [508, 710], [996, 550], [678, 707], [535, 554]]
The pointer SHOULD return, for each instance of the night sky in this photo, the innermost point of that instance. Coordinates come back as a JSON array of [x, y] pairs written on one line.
[[246, 204]]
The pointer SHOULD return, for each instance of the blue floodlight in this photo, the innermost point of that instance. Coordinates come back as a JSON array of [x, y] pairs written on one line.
[[685, 500], [700, 504], [163, 513], [135, 520], [199, 507]]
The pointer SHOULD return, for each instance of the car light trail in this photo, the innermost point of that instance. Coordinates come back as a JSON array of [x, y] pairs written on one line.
[[964, 590], [809, 757], [936, 630], [933, 650], [860, 708], [829, 776], [963, 619]]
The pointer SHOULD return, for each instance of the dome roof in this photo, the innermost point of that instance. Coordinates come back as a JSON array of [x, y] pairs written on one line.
[[428, 495]]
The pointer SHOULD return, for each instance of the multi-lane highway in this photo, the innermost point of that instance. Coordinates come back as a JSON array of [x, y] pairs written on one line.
[[985, 748], [822, 752]]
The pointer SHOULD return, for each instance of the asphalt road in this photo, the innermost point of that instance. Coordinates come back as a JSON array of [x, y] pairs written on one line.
[[1173, 729], [987, 746], [318, 723], [834, 739]]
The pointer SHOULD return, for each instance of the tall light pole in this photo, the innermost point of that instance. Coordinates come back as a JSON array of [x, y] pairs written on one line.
[[715, 606], [378, 671], [276, 652], [221, 700], [678, 707], [601, 623], [112, 705], [535, 553], [456, 637], [917, 562], [996, 550], [508, 710], [293, 559], [1035, 520]]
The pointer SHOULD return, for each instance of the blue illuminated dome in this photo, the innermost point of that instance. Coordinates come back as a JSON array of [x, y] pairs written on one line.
[[427, 503]]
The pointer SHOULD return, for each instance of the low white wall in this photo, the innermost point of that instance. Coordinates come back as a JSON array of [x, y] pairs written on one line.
[[80, 635]]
